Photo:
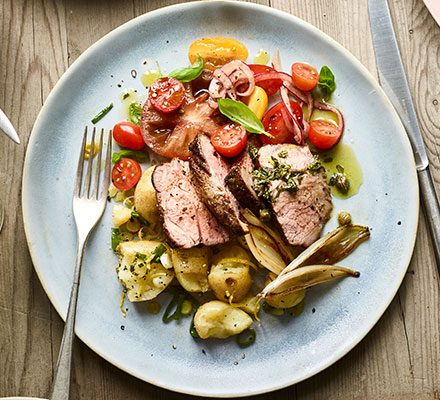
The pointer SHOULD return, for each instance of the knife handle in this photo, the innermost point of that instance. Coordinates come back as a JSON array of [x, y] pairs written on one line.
[[432, 210]]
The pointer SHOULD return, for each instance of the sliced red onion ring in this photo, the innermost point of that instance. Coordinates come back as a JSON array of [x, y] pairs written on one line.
[[299, 94], [265, 76], [233, 79], [328, 107], [297, 130], [276, 60]]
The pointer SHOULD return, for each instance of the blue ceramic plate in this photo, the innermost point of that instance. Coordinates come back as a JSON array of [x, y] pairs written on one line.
[[287, 350]]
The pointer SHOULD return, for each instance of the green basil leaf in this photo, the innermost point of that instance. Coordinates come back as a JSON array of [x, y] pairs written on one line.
[[241, 114], [137, 155], [326, 82], [134, 113], [188, 74], [157, 252]]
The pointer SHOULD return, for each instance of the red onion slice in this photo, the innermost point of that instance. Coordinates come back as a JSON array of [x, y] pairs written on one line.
[[276, 60], [328, 107], [265, 76], [297, 131]]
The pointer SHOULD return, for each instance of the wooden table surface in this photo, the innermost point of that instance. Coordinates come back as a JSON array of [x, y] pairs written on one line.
[[400, 357]]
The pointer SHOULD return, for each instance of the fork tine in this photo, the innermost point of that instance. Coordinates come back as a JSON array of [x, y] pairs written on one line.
[[88, 182], [108, 165], [95, 193], [79, 171]]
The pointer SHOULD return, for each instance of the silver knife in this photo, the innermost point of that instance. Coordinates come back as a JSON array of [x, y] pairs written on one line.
[[395, 84], [6, 127]]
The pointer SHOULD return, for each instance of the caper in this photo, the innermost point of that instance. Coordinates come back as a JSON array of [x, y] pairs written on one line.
[[344, 218]]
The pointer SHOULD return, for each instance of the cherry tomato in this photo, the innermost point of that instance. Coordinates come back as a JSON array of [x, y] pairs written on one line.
[[273, 123], [126, 174], [128, 135], [305, 77], [270, 86], [324, 134], [166, 94], [229, 140]]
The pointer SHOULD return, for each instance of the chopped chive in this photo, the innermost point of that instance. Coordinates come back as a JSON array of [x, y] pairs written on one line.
[[116, 238], [246, 338], [102, 113]]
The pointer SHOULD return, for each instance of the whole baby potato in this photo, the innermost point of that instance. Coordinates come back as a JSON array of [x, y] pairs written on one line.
[[230, 279], [145, 201], [216, 319]]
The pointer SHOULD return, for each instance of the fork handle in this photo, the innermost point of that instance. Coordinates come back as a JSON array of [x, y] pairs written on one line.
[[60, 389]]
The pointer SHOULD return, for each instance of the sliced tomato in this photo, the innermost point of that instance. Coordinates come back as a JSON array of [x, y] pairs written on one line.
[[305, 77], [166, 94], [128, 135], [273, 123], [271, 86], [230, 140], [126, 174], [324, 134]]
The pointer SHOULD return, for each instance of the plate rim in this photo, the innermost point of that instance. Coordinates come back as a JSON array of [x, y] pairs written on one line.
[[278, 14]]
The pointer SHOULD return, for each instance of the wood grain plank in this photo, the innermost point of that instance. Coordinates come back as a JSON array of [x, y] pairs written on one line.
[[31, 62]]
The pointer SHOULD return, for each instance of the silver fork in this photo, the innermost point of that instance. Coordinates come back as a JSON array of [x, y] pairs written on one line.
[[88, 206]]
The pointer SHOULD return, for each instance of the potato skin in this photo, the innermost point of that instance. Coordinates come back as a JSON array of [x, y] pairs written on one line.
[[286, 300], [228, 279], [191, 267], [145, 201], [216, 319]]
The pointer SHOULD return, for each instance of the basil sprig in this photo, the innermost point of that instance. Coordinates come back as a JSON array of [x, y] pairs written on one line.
[[241, 114], [134, 113], [188, 74], [326, 83], [134, 154]]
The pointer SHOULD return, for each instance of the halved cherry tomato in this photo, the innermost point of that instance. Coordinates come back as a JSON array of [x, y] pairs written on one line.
[[166, 94], [128, 135], [324, 134], [126, 174], [273, 123], [305, 77], [270, 86], [229, 140]]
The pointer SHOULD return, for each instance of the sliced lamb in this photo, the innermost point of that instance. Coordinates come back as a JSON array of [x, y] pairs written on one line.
[[186, 220], [239, 182], [301, 215], [208, 173]]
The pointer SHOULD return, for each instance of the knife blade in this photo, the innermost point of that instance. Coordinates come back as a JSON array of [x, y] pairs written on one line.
[[393, 80], [6, 127]]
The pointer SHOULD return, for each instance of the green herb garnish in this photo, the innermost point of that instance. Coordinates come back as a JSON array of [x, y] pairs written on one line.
[[262, 178], [340, 180], [174, 309], [282, 154], [253, 151], [139, 217], [192, 329], [157, 252], [265, 215], [315, 165], [141, 256], [134, 113], [102, 113], [326, 83], [137, 155], [188, 74], [116, 238], [246, 338], [241, 114]]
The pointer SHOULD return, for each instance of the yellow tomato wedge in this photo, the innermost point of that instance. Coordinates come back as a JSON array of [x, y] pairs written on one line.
[[217, 51], [257, 101]]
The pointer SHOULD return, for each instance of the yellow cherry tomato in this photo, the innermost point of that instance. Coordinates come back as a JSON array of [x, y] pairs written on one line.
[[257, 101], [217, 51]]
